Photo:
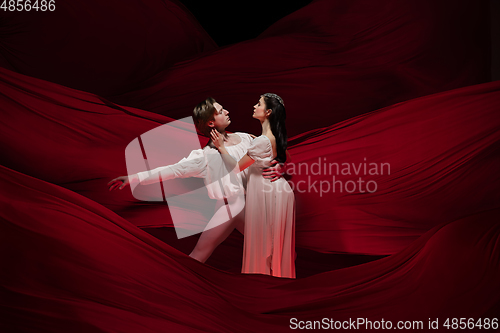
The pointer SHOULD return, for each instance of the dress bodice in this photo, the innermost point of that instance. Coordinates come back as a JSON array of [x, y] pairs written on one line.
[[261, 151]]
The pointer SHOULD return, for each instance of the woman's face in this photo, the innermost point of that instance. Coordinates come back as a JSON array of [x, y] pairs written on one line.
[[221, 118], [260, 110]]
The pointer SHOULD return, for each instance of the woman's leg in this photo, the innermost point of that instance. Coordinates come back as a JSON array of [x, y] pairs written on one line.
[[217, 230]]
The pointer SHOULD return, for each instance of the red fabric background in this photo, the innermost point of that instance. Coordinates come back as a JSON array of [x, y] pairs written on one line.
[[104, 47], [332, 60], [372, 80], [77, 266]]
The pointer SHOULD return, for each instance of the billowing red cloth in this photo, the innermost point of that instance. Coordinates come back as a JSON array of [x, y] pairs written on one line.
[[104, 47], [442, 152], [332, 60], [73, 255], [70, 264]]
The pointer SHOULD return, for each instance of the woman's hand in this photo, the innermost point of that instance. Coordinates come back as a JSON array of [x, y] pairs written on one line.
[[119, 182], [217, 139]]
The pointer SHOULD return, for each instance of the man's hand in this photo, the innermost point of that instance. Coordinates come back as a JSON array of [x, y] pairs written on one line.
[[274, 172], [119, 182]]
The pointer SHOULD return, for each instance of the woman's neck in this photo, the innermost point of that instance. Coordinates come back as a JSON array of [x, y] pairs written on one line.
[[266, 127]]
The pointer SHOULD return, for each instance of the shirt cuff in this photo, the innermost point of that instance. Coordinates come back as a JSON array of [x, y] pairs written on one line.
[[134, 179]]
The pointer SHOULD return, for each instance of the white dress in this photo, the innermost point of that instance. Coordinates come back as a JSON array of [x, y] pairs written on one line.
[[269, 245]]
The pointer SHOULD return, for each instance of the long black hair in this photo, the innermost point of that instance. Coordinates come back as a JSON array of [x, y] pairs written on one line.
[[277, 121]]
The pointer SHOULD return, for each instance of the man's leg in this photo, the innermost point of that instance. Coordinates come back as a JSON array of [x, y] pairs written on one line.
[[213, 236], [240, 222]]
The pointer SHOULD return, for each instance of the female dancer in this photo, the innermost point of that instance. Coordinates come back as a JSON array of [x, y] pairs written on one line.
[[269, 246], [207, 115]]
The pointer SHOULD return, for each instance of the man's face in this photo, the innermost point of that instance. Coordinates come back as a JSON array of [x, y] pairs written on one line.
[[221, 118]]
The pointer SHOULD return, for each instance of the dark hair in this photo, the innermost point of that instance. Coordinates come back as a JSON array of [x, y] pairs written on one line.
[[202, 114], [277, 121]]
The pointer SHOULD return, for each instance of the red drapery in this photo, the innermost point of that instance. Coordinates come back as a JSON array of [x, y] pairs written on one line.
[[75, 256], [332, 60]]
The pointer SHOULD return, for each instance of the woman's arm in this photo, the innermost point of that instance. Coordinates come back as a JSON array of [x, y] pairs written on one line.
[[242, 164]]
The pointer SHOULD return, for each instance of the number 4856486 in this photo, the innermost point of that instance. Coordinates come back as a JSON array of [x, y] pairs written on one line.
[[485, 323], [26, 5]]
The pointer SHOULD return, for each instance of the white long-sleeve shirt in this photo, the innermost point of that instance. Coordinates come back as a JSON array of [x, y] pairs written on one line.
[[204, 163]]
